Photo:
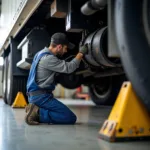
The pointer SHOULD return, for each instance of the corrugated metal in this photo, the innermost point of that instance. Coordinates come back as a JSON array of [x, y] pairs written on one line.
[[10, 10], [12, 13], [0, 6], [1, 85]]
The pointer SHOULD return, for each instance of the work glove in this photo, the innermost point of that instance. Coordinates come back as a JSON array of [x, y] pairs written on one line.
[[84, 49]]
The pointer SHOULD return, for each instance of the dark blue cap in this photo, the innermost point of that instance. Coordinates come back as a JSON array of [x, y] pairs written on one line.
[[61, 38]]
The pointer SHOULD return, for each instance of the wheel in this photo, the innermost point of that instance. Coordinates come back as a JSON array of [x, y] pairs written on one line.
[[132, 19], [5, 80], [70, 81], [15, 84], [105, 91]]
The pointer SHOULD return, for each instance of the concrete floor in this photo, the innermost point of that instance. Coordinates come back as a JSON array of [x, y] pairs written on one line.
[[15, 134]]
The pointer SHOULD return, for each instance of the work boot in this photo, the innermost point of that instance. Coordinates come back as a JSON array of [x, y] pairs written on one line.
[[32, 116]]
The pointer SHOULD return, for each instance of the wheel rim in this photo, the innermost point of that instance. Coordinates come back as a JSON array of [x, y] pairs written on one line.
[[102, 90]]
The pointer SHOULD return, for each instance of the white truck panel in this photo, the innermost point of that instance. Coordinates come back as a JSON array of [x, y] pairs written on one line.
[[14, 15], [9, 12]]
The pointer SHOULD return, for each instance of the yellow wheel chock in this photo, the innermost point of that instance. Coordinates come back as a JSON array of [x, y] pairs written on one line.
[[128, 120], [20, 101]]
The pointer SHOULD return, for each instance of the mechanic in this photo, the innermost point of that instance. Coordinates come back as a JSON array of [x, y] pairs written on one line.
[[43, 107]]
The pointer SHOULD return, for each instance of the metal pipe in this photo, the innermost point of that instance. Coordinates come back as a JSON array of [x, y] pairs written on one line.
[[87, 9], [93, 6], [99, 3]]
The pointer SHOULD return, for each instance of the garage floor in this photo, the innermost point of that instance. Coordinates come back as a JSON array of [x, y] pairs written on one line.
[[15, 134]]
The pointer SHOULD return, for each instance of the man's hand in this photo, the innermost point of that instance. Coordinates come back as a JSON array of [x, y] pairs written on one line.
[[84, 49]]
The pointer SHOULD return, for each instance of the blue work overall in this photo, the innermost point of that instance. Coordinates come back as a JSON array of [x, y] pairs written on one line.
[[51, 110]]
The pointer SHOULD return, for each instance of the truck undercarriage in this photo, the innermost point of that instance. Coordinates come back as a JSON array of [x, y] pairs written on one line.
[[91, 22], [97, 69]]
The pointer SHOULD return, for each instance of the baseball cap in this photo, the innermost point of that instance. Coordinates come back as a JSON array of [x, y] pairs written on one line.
[[61, 38]]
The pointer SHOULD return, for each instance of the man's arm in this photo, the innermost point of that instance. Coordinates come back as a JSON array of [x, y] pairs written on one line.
[[57, 65]]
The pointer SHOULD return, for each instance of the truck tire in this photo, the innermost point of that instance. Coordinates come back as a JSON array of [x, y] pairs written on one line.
[[70, 81], [15, 84], [134, 44], [5, 79], [106, 90]]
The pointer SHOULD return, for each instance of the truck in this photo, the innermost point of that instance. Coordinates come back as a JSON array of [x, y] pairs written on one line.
[[118, 44]]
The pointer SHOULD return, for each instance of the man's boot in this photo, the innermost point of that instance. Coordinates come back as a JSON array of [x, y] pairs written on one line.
[[32, 116]]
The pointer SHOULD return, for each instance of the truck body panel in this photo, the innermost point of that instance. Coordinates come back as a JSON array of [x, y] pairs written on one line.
[[14, 15]]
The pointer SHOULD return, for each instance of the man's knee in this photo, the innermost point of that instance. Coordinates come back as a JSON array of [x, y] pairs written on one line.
[[73, 119]]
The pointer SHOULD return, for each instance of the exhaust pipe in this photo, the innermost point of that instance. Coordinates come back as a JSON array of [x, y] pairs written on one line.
[[93, 6]]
